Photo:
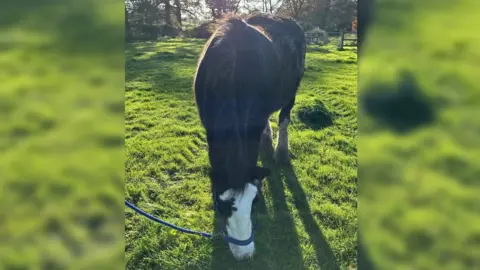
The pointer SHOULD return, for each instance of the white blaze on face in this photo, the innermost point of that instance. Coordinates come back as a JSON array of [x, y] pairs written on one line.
[[239, 224]]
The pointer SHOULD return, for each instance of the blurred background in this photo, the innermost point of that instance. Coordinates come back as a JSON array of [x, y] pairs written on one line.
[[62, 128], [419, 128], [61, 134]]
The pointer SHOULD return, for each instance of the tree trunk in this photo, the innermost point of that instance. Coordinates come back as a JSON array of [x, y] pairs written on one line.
[[168, 12], [178, 12], [270, 3]]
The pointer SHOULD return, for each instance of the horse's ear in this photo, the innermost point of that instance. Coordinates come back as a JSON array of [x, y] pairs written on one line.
[[259, 174]]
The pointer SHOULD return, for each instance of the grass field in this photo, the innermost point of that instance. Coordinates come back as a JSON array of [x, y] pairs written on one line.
[[308, 218], [419, 127]]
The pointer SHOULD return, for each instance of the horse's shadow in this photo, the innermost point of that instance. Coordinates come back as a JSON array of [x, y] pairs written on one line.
[[276, 241]]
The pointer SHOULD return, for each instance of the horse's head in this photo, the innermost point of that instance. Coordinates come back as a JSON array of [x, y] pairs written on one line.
[[235, 206]]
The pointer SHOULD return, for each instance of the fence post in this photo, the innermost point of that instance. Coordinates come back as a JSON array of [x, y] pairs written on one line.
[[340, 41]]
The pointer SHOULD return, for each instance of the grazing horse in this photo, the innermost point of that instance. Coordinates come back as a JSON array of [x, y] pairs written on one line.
[[249, 69]]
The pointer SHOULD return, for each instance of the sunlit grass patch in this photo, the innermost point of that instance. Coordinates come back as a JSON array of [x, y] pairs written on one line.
[[308, 216]]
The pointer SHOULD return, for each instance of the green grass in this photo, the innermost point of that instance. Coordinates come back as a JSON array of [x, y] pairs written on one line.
[[419, 175], [308, 219], [61, 135]]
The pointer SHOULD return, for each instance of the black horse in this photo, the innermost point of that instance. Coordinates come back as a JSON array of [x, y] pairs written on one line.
[[249, 69]]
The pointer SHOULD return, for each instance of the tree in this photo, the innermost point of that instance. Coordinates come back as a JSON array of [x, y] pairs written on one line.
[[168, 12], [330, 15], [220, 7], [178, 12], [150, 18], [147, 19], [295, 7]]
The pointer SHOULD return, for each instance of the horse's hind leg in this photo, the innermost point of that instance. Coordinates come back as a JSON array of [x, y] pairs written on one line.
[[266, 142], [281, 152]]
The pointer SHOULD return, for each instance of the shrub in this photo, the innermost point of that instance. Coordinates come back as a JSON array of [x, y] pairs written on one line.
[[204, 30], [306, 26], [168, 30]]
